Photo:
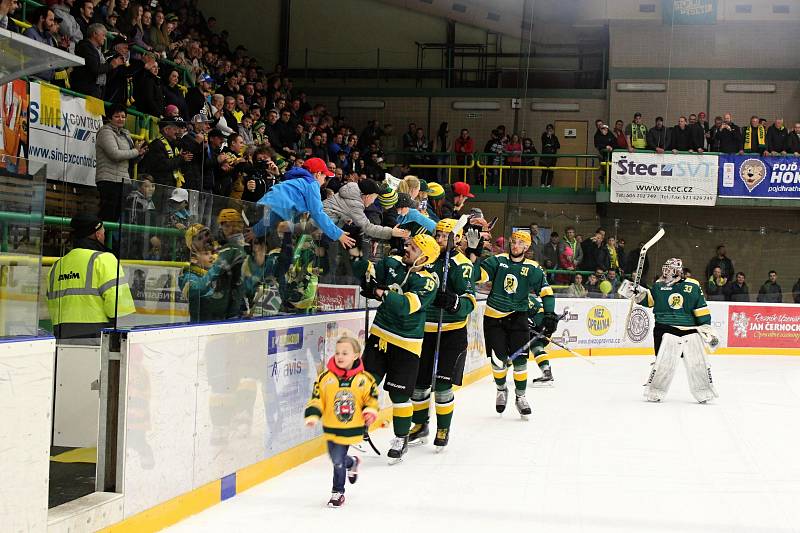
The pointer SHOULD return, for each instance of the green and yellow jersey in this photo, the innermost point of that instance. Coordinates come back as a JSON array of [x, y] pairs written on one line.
[[459, 281], [400, 319], [512, 282], [682, 304]]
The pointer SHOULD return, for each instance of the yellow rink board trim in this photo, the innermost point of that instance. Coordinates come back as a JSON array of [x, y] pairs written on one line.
[[78, 455], [173, 511]]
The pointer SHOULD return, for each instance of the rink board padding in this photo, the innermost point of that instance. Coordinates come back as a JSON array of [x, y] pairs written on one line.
[[26, 404], [225, 401], [212, 410]]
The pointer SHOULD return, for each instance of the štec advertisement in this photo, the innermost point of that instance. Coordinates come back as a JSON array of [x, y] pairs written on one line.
[[675, 179], [62, 135], [753, 176]]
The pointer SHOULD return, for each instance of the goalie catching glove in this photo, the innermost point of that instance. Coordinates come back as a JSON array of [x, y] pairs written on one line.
[[632, 291]]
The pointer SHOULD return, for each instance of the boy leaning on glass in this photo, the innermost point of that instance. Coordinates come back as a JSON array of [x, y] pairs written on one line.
[[345, 397]]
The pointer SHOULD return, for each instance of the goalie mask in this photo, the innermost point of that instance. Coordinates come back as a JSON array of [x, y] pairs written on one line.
[[672, 271]]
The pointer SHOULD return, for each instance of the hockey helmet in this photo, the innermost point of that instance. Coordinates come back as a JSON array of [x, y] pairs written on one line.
[[229, 215], [447, 225], [672, 269], [428, 246], [198, 238], [524, 236]]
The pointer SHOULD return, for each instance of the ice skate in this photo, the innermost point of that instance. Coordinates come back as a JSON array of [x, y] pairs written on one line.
[[337, 500], [545, 381], [523, 407], [352, 472], [442, 437], [419, 434], [399, 447], [500, 400]]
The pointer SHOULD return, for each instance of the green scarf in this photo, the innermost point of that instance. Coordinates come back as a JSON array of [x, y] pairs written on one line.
[[762, 138]]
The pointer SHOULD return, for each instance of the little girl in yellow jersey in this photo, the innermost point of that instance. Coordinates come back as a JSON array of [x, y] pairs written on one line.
[[345, 398]]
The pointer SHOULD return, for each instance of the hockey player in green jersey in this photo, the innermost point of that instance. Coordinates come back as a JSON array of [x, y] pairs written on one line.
[[457, 301], [405, 289], [505, 322], [682, 331]]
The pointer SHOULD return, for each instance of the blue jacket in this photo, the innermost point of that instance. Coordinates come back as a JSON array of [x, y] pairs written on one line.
[[415, 216], [298, 193]]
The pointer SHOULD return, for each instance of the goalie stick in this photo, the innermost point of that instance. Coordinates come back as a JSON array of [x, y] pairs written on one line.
[[637, 276]]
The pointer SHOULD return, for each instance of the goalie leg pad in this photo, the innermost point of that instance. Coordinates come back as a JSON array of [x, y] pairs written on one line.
[[664, 368], [698, 370]]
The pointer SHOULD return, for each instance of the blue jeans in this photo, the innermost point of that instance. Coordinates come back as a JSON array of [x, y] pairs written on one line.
[[341, 462]]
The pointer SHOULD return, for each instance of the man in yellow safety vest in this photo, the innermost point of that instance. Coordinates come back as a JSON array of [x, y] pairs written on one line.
[[86, 288], [636, 134]]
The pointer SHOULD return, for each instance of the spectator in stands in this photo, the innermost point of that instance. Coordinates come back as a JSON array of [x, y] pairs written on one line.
[[199, 172], [698, 133], [158, 39], [174, 93], [260, 176], [135, 32], [198, 98], [576, 288], [120, 81], [550, 252], [796, 292], [592, 286], [711, 135], [43, 22], [115, 150], [550, 145], [722, 261], [770, 291], [777, 138], [703, 122], [636, 134], [7, 8], [715, 286], [728, 139], [246, 131], [147, 91], [178, 214], [90, 79], [754, 138], [84, 15], [408, 137], [300, 193], [68, 27], [619, 135], [570, 254], [537, 245], [607, 257], [793, 141], [591, 249], [614, 281], [658, 137], [681, 137], [164, 160], [463, 146], [737, 291], [218, 115], [139, 207], [229, 112], [494, 146]]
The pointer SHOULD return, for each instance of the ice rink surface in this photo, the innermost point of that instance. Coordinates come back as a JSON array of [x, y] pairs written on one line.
[[593, 457]]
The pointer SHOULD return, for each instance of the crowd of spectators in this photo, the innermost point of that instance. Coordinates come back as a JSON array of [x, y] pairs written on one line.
[[696, 134]]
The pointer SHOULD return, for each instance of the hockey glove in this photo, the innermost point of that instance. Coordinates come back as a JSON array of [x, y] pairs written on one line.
[[447, 301], [474, 242], [368, 288], [549, 324]]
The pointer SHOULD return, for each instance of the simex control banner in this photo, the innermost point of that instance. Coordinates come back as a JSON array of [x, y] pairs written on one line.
[[754, 176], [675, 179]]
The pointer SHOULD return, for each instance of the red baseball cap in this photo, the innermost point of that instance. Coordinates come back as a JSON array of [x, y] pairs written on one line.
[[315, 164], [461, 188]]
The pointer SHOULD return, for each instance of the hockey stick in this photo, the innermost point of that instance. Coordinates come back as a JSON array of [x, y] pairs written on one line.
[[564, 347], [524, 348], [451, 243], [637, 276]]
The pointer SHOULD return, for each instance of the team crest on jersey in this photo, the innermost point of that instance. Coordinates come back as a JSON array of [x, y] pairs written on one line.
[[344, 406], [510, 284], [675, 301]]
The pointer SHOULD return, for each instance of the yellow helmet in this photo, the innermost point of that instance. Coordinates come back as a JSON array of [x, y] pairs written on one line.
[[447, 225], [428, 247], [197, 238], [229, 215], [524, 236]]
